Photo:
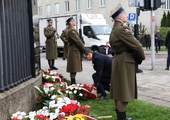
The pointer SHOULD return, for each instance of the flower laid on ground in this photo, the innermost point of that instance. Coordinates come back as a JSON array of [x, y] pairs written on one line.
[[57, 100], [52, 76], [47, 90], [81, 91], [59, 108], [18, 115], [79, 117]]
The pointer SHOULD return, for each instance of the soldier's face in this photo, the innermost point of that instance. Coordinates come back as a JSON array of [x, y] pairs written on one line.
[[73, 22], [124, 17], [50, 23]]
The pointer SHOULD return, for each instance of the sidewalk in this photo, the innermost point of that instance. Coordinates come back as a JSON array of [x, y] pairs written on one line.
[[153, 85]]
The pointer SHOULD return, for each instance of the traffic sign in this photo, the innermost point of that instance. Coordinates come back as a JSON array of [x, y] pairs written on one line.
[[132, 17]]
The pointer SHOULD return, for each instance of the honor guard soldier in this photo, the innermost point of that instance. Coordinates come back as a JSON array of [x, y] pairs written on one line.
[[63, 38], [127, 49], [76, 47], [51, 44]]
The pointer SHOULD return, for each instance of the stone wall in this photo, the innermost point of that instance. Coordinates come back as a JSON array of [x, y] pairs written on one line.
[[20, 98]]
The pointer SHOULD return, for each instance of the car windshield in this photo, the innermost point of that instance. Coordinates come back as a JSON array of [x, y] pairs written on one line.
[[101, 29]]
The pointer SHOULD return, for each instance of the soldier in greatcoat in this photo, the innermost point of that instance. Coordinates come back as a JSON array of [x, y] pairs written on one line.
[[123, 78], [63, 38], [76, 47], [51, 44]]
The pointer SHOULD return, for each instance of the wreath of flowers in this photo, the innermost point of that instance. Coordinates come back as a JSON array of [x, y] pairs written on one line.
[[81, 91], [52, 76]]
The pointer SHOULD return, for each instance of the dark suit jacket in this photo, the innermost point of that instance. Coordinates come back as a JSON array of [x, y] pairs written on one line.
[[102, 65]]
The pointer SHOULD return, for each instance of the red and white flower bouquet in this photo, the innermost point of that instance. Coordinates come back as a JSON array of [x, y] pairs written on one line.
[[47, 90], [81, 91], [52, 76], [58, 109]]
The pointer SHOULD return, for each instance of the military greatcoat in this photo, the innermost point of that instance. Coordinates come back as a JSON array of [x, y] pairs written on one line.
[[76, 46], [123, 78], [63, 38], [51, 44]]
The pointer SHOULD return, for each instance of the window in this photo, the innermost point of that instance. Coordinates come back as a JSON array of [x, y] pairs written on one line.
[[57, 8], [87, 31], [34, 2], [101, 29], [166, 5], [48, 10], [77, 5], [66, 6], [102, 3], [40, 11], [89, 4]]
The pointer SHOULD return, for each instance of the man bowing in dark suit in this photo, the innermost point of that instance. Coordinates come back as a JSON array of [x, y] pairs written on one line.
[[102, 65]]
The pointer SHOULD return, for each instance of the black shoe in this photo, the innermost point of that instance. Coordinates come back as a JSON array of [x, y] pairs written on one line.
[[102, 97], [166, 68], [139, 71], [54, 68], [73, 81]]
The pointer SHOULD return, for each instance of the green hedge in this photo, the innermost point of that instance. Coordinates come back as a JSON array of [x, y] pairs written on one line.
[[163, 31]]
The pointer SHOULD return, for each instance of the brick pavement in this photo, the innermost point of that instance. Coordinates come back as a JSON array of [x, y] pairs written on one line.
[[153, 85]]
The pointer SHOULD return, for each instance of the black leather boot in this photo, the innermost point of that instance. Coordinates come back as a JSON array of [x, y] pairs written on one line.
[[122, 116], [53, 67], [116, 113], [73, 81], [50, 64]]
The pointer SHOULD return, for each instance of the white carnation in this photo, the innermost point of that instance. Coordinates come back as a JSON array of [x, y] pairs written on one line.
[[81, 94], [75, 91]]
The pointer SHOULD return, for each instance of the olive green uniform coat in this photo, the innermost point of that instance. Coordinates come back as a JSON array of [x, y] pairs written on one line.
[[76, 46], [123, 76], [51, 44], [36, 35], [63, 38]]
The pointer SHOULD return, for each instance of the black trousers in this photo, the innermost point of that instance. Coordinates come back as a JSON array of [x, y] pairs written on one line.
[[101, 85], [158, 45]]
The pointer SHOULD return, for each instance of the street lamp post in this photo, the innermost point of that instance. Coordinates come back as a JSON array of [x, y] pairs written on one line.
[[152, 35]]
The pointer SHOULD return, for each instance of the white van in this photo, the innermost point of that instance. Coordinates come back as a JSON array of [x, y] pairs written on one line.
[[92, 29]]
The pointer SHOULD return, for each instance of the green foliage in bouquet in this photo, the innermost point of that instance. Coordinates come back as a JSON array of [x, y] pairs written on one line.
[[47, 90]]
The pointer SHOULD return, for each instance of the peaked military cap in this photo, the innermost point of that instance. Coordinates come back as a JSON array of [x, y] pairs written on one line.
[[49, 20], [69, 19], [114, 13]]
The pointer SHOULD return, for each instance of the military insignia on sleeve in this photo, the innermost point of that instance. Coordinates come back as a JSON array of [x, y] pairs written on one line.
[[73, 32], [127, 30]]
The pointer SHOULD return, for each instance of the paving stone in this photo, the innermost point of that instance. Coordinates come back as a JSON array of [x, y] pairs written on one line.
[[158, 102]]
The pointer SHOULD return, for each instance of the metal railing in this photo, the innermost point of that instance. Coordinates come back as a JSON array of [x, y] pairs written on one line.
[[16, 43]]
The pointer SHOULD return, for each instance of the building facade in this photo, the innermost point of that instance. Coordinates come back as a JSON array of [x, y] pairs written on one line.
[[52, 8], [34, 7]]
